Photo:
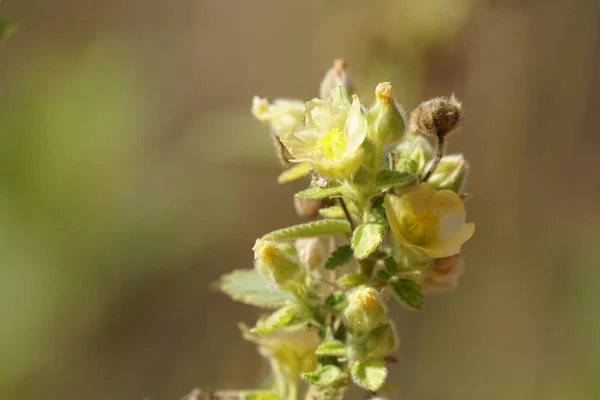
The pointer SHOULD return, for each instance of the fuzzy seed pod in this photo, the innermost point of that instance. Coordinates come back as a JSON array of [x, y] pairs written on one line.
[[436, 117], [308, 208]]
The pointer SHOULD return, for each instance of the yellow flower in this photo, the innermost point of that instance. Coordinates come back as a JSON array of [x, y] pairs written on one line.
[[283, 115], [429, 220], [331, 139]]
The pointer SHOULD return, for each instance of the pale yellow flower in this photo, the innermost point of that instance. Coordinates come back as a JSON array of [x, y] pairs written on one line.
[[429, 220], [331, 139], [282, 115]]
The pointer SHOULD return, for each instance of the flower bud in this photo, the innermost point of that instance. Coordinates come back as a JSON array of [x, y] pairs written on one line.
[[436, 117], [451, 173], [277, 261], [386, 122], [336, 76], [365, 310], [283, 115], [311, 252], [415, 152]]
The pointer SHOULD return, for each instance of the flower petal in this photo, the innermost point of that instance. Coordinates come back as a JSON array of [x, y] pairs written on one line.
[[355, 127], [449, 207], [302, 144], [319, 116]]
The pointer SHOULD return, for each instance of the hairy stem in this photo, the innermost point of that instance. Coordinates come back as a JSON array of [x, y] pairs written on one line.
[[347, 213], [439, 153]]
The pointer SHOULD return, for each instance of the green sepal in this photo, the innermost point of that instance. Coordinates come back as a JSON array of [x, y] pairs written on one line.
[[324, 376], [333, 348], [321, 227], [366, 238], [275, 321], [336, 301], [408, 293], [352, 279], [7, 28], [257, 395], [388, 178], [333, 190], [341, 256], [251, 287], [369, 374], [295, 172]]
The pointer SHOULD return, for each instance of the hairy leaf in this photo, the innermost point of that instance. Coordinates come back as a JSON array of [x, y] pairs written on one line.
[[297, 171], [341, 256], [366, 238], [333, 348], [324, 376], [352, 279], [332, 212], [250, 287], [333, 190], [315, 228], [275, 321], [387, 179], [369, 374], [408, 293]]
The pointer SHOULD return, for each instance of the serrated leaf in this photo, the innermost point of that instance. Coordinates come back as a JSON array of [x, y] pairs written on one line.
[[7, 28], [336, 301], [388, 178], [257, 395], [250, 287], [332, 212], [310, 229], [297, 171], [275, 321], [341, 256], [366, 238], [352, 279], [333, 190], [383, 275], [408, 293], [333, 348], [391, 266], [324, 376], [369, 374]]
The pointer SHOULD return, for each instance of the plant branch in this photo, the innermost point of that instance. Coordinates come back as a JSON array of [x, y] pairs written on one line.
[[347, 213], [439, 153]]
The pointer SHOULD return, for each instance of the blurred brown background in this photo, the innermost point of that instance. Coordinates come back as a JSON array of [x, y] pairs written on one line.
[[132, 175]]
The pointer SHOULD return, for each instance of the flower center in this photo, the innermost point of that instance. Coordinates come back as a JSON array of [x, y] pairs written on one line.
[[332, 144], [421, 227]]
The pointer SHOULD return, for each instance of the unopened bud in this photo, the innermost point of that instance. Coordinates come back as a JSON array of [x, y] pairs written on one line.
[[336, 76], [436, 117], [277, 261], [311, 252], [385, 119], [415, 152], [451, 173], [365, 310]]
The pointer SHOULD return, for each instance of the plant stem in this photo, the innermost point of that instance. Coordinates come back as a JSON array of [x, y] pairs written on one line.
[[347, 213], [439, 153]]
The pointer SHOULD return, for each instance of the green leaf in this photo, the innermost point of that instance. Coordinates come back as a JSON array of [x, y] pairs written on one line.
[[333, 348], [387, 179], [391, 266], [275, 321], [366, 238], [408, 293], [324, 376], [7, 28], [315, 228], [383, 275], [333, 190], [352, 279], [369, 374], [341, 256], [257, 395], [336, 301], [250, 287], [295, 172]]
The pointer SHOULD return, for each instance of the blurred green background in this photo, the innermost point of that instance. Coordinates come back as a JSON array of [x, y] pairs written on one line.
[[132, 175]]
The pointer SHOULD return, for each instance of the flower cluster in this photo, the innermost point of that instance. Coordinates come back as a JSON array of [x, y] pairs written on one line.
[[387, 217]]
